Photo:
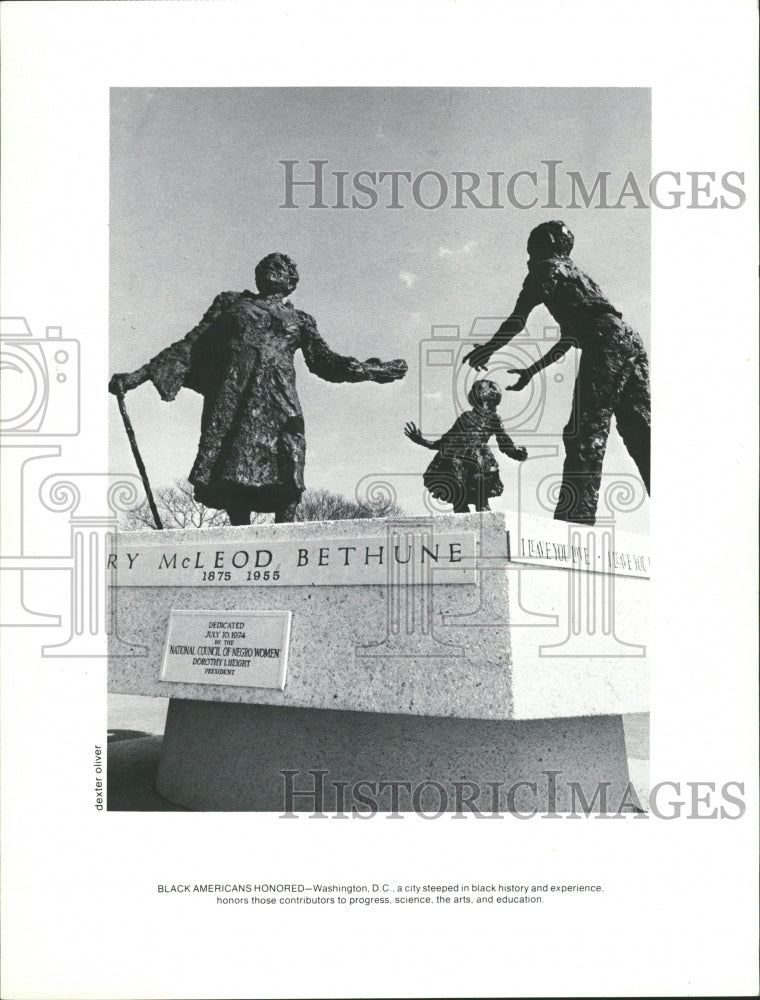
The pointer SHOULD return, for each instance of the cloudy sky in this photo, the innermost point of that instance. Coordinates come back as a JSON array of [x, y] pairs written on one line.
[[196, 193]]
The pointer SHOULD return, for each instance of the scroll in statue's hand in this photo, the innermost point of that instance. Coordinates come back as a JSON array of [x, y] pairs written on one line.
[[385, 371]]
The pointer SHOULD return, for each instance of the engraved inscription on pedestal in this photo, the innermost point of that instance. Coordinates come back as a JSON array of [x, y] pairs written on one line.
[[602, 549], [237, 648], [287, 563]]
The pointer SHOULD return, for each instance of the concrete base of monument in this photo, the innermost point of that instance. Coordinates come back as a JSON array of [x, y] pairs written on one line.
[[479, 616], [220, 756], [457, 654]]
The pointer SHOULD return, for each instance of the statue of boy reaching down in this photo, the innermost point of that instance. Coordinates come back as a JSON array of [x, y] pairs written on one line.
[[613, 374]]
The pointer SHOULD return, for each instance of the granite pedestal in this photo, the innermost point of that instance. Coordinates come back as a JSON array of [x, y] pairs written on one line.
[[461, 678]]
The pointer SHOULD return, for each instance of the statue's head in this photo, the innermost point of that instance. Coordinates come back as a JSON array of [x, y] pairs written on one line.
[[550, 239], [276, 274], [485, 394]]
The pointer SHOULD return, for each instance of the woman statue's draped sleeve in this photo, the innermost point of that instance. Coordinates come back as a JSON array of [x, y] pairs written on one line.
[[182, 364], [324, 362]]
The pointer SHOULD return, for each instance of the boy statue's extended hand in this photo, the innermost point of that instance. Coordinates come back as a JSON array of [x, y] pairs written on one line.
[[478, 357], [523, 379]]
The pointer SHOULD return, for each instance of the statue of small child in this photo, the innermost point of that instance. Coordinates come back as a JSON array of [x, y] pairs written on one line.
[[465, 471]]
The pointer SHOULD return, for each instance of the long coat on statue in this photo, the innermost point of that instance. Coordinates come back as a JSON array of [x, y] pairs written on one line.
[[240, 358]]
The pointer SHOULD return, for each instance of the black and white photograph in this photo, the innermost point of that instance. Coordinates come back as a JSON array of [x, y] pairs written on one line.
[[437, 614], [339, 620]]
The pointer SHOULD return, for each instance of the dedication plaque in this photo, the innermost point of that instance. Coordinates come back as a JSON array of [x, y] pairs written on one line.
[[235, 648]]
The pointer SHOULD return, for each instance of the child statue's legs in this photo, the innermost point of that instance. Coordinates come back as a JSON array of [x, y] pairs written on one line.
[[481, 494]]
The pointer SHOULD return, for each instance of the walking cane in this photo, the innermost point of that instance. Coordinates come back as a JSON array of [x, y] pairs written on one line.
[[138, 457]]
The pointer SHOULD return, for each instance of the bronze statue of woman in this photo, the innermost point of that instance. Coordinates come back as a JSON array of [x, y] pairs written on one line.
[[241, 359]]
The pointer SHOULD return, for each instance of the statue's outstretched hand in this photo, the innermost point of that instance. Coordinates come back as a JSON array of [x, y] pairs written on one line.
[[413, 432], [479, 357], [523, 379], [385, 371], [518, 453]]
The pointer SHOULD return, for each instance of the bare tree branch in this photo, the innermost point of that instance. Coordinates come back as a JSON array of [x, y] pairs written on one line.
[[322, 505], [178, 508]]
